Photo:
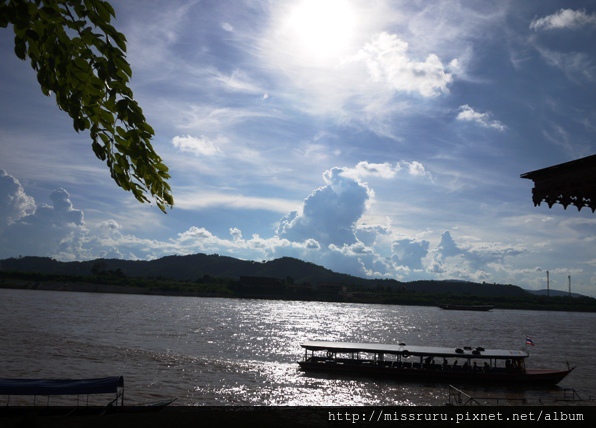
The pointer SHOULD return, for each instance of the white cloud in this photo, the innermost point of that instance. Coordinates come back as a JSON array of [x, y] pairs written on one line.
[[387, 61], [196, 234], [564, 18], [447, 247], [14, 202], [369, 234], [199, 146], [472, 260], [367, 169], [410, 253], [357, 249], [468, 114], [416, 169], [54, 231], [360, 81], [110, 225], [312, 244], [330, 213], [385, 170], [193, 199]]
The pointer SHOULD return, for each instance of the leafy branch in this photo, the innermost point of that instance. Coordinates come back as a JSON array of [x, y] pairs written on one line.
[[80, 57]]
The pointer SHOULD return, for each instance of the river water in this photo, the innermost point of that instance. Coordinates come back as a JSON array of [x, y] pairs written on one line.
[[215, 351]]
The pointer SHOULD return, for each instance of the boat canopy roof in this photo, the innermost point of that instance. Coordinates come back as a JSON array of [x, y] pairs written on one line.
[[402, 349], [104, 385]]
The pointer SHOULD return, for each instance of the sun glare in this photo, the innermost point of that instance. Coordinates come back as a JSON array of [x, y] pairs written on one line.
[[322, 29]]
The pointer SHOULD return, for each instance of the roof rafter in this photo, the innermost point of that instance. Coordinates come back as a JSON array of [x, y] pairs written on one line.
[[570, 183]]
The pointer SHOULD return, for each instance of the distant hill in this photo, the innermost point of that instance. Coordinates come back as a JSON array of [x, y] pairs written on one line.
[[196, 266], [466, 288], [185, 268], [546, 292]]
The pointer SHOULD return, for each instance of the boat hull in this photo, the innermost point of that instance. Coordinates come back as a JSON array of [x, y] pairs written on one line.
[[71, 411], [528, 377], [481, 308]]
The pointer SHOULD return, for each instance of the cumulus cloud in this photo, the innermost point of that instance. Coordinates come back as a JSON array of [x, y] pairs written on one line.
[[471, 260], [110, 225], [368, 234], [564, 18], [14, 202], [468, 114], [416, 169], [388, 62], [236, 234], [201, 146], [477, 253], [55, 230], [448, 247], [330, 213], [409, 252], [196, 234], [312, 244], [326, 231]]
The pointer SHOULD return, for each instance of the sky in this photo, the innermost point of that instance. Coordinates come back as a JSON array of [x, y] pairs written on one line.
[[381, 139]]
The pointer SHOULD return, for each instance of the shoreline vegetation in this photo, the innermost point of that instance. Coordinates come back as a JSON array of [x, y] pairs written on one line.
[[277, 289]]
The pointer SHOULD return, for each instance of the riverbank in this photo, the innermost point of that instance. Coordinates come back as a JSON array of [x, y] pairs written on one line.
[[87, 287], [293, 416], [178, 416], [530, 302]]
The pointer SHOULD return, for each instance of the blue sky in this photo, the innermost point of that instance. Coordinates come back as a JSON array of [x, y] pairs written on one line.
[[380, 139]]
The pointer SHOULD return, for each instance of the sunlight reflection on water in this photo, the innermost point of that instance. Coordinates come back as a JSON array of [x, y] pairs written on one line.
[[209, 351]]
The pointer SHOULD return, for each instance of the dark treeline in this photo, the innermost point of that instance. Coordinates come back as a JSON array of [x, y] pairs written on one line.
[[381, 292], [150, 285]]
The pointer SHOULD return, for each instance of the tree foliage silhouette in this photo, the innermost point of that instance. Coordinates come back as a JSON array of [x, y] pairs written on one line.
[[81, 59]]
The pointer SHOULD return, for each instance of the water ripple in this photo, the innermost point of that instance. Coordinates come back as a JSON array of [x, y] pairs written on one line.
[[211, 351]]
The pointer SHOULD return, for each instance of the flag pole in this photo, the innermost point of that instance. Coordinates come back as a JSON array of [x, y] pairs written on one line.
[[528, 342]]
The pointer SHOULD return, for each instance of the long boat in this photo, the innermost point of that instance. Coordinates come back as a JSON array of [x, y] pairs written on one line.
[[466, 307], [73, 388], [435, 364]]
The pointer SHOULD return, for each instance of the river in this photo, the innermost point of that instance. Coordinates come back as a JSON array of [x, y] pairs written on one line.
[[217, 351]]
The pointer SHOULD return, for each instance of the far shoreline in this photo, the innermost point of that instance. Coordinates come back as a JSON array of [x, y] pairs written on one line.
[[89, 287]]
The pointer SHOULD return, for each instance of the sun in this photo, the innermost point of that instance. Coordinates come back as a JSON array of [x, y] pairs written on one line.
[[322, 29]]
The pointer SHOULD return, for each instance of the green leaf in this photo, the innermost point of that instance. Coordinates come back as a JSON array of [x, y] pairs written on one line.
[[99, 151], [20, 48]]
